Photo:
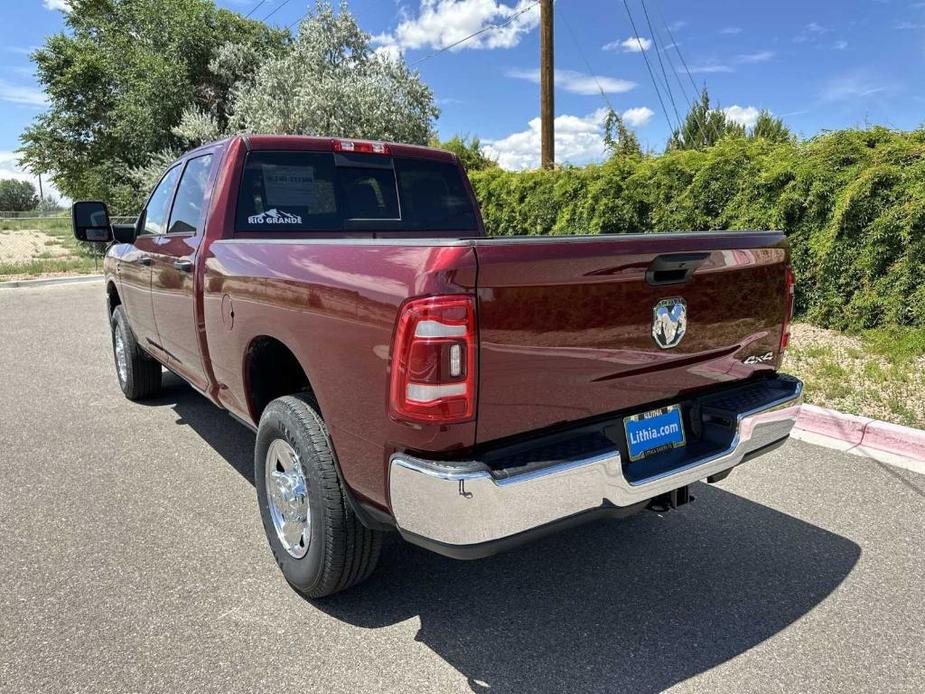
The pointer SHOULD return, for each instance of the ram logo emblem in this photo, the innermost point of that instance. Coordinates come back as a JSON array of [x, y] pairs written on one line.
[[669, 322]]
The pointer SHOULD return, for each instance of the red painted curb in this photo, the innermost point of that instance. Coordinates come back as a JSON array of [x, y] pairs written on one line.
[[863, 431], [832, 423], [893, 438]]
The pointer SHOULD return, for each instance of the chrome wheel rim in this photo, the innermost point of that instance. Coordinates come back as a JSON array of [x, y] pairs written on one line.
[[287, 498], [121, 364]]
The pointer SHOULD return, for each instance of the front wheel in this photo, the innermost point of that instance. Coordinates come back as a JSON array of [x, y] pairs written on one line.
[[139, 374], [318, 542]]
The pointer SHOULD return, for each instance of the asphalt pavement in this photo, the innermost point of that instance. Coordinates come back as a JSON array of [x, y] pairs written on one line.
[[132, 559]]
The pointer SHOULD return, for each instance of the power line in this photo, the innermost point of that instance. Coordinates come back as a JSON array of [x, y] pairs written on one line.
[[489, 27], [586, 61], [298, 21], [648, 67], [278, 8], [658, 55], [677, 48], [255, 8]]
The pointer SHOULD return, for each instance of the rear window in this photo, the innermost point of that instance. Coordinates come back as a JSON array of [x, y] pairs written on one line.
[[314, 191]]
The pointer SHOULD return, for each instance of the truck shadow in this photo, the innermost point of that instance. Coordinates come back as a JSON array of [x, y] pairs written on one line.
[[635, 605]]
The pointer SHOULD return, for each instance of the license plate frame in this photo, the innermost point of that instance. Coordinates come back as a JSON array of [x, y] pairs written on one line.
[[654, 431]]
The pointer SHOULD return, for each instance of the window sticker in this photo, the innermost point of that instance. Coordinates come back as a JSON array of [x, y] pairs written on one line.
[[274, 216], [289, 186]]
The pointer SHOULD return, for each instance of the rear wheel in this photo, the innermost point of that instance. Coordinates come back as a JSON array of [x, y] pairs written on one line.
[[318, 542], [139, 374]]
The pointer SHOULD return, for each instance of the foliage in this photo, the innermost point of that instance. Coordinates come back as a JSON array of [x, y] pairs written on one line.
[[118, 82], [332, 82], [851, 202], [771, 128], [706, 124], [619, 140], [703, 127], [17, 196], [469, 150]]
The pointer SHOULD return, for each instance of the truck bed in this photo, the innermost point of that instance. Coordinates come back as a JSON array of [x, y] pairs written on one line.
[[565, 322]]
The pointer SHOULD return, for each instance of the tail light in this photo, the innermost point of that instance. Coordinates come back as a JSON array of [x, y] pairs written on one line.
[[788, 309], [434, 360], [361, 146]]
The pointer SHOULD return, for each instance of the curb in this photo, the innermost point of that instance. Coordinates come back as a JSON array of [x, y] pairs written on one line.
[[78, 279], [871, 438]]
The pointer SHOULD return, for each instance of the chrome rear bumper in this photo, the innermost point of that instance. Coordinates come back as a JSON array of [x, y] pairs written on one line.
[[449, 506]]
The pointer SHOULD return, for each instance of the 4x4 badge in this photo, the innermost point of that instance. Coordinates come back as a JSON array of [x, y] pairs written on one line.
[[669, 322]]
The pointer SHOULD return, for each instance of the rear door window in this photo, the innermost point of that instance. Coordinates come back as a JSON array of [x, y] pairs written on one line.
[[309, 191], [191, 196], [159, 203]]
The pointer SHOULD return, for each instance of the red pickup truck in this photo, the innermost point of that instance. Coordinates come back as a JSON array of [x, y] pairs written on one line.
[[402, 371]]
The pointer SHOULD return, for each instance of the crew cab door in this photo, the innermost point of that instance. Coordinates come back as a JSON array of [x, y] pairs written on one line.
[[135, 268], [173, 276]]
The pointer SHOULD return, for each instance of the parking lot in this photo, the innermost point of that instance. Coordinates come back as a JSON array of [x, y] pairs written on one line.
[[132, 559]]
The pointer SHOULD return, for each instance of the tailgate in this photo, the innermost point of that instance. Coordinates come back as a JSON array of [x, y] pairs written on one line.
[[566, 323]]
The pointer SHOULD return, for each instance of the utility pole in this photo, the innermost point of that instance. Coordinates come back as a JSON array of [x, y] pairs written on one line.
[[547, 87]]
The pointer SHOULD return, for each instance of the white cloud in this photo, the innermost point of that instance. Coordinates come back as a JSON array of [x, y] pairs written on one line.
[[10, 168], [441, 23], [731, 31], [638, 116], [63, 5], [709, 68], [578, 141], [811, 32], [630, 45], [840, 45], [28, 96], [851, 87], [743, 115], [759, 57], [577, 82]]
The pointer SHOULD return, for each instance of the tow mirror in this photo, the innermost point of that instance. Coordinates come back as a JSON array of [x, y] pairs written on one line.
[[124, 233], [91, 222]]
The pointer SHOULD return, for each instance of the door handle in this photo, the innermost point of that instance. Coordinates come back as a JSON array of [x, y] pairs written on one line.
[[183, 264], [144, 260]]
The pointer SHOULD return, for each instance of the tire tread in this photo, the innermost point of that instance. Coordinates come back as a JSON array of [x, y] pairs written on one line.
[[351, 550]]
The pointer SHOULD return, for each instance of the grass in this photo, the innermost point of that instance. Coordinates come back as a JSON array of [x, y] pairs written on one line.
[[878, 373], [77, 265], [60, 254]]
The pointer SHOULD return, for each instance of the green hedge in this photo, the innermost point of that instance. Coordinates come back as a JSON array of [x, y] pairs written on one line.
[[852, 203]]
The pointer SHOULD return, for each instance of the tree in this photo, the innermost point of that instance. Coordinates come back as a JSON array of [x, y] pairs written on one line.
[[17, 196], [617, 137], [703, 127], [469, 150], [772, 129], [118, 82], [332, 82]]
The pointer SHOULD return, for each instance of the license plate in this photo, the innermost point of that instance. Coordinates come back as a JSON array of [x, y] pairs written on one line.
[[654, 431]]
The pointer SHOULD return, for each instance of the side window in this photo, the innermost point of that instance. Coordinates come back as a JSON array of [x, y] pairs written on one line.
[[191, 194], [159, 203]]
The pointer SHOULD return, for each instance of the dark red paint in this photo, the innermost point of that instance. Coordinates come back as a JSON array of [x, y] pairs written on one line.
[[564, 323]]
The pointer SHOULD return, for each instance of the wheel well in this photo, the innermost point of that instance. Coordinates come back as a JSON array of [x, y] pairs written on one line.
[[112, 297], [272, 371]]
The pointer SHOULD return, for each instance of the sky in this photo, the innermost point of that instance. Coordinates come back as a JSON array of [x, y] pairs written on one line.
[[818, 65]]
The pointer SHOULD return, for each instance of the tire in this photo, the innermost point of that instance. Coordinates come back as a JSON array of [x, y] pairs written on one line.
[[334, 550], [141, 376]]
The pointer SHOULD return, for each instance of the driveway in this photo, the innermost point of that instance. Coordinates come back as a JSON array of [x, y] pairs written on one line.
[[132, 559]]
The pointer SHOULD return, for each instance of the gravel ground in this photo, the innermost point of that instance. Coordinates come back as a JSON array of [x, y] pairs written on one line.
[[842, 373], [132, 559], [23, 246]]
